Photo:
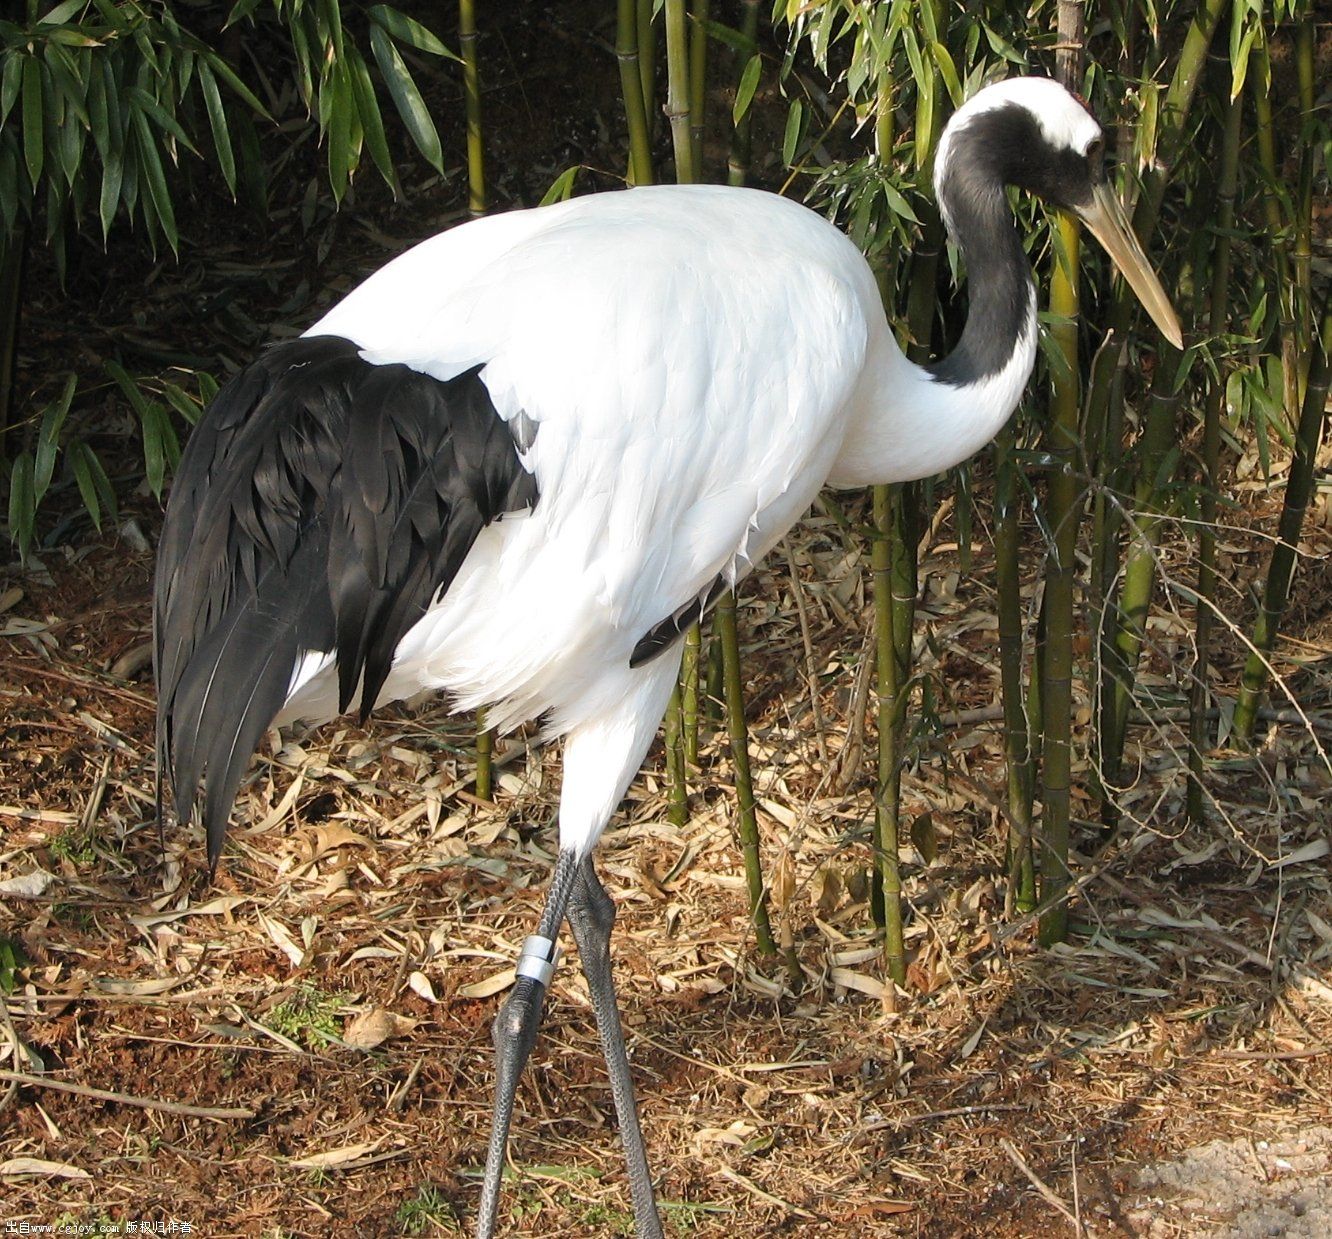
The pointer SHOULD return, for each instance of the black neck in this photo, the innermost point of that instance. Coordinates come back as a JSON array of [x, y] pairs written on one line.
[[971, 196]]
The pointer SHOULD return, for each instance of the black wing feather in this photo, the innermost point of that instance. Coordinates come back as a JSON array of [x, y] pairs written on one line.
[[322, 503]]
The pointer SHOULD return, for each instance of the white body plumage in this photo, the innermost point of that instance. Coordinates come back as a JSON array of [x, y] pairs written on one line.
[[691, 364]]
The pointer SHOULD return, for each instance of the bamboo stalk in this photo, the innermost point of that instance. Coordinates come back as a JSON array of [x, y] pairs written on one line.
[[1278, 229], [887, 801], [677, 794], [476, 167], [698, 80], [1135, 596], [647, 61], [1218, 317], [729, 640], [476, 207], [689, 711], [1302, 247], [677, 89], [1108, 405], [712, 700], [1299, 489], [632, 87], [737, 168], [1064, 512], [1021, 892], [485, 745]]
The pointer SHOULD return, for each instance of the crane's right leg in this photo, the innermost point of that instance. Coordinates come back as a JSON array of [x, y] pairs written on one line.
[[592, 917]]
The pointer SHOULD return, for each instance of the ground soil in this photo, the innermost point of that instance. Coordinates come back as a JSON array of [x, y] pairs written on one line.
[[300, 1045]]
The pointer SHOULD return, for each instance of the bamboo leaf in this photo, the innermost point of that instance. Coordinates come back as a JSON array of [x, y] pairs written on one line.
[[242, 10], [61, 13], [561, 187], [94, 486], [22, 504], [11, 81], [899, 204], [150, 163], [411, 107], [791, 137], [161, 447], [367, 106], [744, 93], [217, 121], [48, 438], [406, 30], [181, 401], [164, 119], [34, 140], [340, 163], [235, 85]]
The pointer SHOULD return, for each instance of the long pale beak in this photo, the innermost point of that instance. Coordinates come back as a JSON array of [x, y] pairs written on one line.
[[1106, 221]]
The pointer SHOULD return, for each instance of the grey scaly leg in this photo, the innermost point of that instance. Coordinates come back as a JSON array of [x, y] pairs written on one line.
[[515, 1030], [591, 917]]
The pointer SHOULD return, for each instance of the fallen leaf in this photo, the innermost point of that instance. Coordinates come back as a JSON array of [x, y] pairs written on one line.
[[421, 987], [35, 1165], [31, 885], [372, 1028], [335, 1157], [495, 984]]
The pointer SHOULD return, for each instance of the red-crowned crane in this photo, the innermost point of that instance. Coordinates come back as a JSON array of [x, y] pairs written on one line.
[[520, 459]]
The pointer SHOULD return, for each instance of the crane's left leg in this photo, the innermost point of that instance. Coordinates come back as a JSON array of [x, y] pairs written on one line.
[[592, 917]]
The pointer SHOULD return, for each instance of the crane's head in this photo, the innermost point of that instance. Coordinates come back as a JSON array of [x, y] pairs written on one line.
[[1031, 132]]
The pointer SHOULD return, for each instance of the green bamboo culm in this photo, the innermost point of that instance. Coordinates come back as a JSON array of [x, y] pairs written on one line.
[[893, 546], [887, 871], [1218, 318], [677, 89], [1135, 599], [677, 794], [476, 206], [485, 744], [476, 167], [1107, 419], [751, 68], [1302, 239], [1278, 226], [627, 53], [647, 61], [689, 693], [1020, 895], [1299, 489], [1064, 511], [733, 688], [698, 81]]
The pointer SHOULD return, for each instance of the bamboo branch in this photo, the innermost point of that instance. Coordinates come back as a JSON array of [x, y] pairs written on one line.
[[1299, 489], [677, 89], [744, 787], [632, 88], [1218, 317], [127, 1099], [1064, 511]]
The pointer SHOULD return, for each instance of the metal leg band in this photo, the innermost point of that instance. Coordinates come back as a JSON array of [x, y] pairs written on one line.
[[538, 959]]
